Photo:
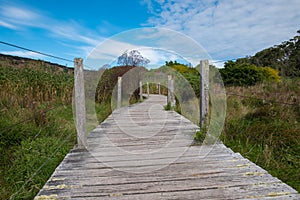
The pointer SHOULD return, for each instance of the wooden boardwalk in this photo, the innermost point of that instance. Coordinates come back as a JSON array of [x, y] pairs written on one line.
[[144, 152]]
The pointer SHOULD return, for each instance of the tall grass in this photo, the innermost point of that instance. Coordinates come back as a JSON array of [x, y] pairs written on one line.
[[36, 126], [262, 123]]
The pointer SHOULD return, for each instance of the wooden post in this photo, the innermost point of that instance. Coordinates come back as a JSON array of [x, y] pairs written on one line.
[[141, 91], [172, 93], [171, 98], [80, 103], [159, 89], [148, 92], [204, 87], [119, 98], [169, 86]]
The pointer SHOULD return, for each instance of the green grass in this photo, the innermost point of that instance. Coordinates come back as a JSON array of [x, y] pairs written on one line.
[[168, 106], [264, 129], [36, 126], [30, 152]]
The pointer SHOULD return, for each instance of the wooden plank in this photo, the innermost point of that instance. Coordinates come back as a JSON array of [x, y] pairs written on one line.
[[121, 165]]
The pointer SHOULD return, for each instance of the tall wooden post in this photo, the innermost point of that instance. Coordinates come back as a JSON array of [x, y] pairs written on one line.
[[171, 98], [80, 103], [141, 91], [148, 92], [172, 93], [159, 89], [204, 87], [169, 86], [119, 98]]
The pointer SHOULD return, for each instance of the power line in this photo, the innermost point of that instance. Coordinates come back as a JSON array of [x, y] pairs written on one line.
[[34, 51], [41, 53]]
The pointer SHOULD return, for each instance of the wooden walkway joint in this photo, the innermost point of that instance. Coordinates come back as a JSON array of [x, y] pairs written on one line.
[[144, 152]]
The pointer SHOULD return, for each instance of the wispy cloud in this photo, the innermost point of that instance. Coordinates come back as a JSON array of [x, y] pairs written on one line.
[[18, 13], [230, 28], [18, 18], [157, 44], [71, 30], [7, 25]]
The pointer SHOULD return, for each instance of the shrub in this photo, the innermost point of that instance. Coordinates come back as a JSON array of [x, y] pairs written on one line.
[[246, 74], [270, 74]]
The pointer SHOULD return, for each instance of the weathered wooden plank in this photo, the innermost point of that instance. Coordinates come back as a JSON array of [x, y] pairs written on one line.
[[119, 164], [177, 191]]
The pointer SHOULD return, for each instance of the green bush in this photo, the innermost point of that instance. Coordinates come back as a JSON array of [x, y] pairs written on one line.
[[245, 74]]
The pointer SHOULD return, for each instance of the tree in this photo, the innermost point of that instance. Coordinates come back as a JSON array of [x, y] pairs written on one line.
[[245, 74], [284, 57], [132, 58]]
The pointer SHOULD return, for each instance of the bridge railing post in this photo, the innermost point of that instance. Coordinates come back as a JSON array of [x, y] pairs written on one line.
[[80, 103], [141, 90], [148, 90], [119, 97], [159, 89], [204, 88], [171, 97]]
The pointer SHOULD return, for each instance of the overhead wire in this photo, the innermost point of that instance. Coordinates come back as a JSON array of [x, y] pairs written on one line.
[[88, 67], [43, 111], [42, 53], [34, 51]]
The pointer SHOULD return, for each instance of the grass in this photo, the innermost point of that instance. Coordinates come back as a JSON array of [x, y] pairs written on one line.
[[32, 150], [36, 125], [262, 123], [168, 106]]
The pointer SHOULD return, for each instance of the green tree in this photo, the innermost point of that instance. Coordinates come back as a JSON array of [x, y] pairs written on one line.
[[284, 57]]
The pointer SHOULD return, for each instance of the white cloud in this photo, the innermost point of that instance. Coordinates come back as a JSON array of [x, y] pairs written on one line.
[[217, 63], [16, 17], [18, 13], [73, 31], [230, 29], [7, 25], [156, 44]]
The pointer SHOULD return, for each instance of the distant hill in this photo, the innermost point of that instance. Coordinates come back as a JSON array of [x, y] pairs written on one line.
[[284, 57], [21, 62]]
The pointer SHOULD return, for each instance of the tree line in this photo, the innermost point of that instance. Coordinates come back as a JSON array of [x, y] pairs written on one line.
[[284, 57]]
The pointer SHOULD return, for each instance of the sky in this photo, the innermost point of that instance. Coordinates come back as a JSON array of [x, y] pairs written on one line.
[[222, 29]]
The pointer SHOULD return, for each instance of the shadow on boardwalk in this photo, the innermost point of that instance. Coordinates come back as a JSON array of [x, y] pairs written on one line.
[[144, 152]]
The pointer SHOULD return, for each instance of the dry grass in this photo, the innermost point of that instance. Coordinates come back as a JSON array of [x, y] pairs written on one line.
[[262, 123]]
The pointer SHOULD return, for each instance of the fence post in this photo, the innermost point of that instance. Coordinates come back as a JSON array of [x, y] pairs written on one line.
[[171, 98], [169, 93], [172, 92], [159, 88], [204, 87], [148, 92], [119, 98], [141, 91], [80, 103]]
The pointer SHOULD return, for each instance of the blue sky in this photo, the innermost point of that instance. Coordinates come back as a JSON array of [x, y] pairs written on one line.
[[225, 28]]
